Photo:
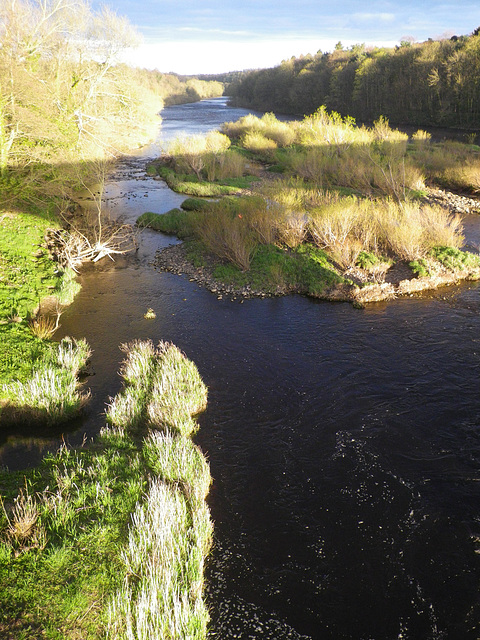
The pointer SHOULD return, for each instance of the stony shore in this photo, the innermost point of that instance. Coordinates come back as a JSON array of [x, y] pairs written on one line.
[[399, 282], [454, 202]]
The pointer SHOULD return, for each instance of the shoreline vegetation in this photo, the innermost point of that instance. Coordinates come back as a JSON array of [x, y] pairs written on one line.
[[110, 540], [321, 207]]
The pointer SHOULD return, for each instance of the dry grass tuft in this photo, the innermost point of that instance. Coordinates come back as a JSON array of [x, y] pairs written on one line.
[[23, 531]]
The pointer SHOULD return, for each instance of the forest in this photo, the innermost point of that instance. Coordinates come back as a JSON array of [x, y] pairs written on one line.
[[433, 83]]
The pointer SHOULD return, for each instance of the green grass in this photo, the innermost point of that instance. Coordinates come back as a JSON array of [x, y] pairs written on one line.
[[419, 268], [27, 275], [52, 394], [450, 258], [110, 540], [190, 185], [69, 562], [306, 269], [455, 259], [173, 222], [195, 204]]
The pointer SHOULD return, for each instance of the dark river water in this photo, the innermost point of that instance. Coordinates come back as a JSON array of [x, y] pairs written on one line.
[[344, 444]]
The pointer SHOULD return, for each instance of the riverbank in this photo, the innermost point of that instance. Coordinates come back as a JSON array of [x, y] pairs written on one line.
[[34, 289], [402, 282]]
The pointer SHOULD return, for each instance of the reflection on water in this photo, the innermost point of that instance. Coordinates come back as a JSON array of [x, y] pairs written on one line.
[[344, 444]]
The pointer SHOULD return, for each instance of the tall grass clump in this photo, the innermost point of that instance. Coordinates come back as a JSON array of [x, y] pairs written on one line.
[[161, 387], [190, 153], [175, 459], [163, 564], [52, 394], [178, 392], [127, 409], [226, 234], [170, 533]]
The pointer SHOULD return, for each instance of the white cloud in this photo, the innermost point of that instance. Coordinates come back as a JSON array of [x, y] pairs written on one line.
[[197, 57], [374, 17], [224, 32]]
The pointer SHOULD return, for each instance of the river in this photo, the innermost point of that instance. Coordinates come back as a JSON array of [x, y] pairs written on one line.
[[344, 444]]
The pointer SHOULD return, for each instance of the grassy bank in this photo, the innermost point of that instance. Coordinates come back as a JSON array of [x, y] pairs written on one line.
[[348, 199], [33, 291], [110, 540]]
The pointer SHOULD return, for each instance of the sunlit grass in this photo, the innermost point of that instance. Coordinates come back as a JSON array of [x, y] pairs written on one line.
[[52, 394], [110, 540]]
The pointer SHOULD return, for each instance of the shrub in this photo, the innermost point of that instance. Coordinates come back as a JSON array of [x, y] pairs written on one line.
[[242, 126], [421, 138], [259, 143], [189, 153], [334, 221], [283, 133], [292, 228], [405, 230], [222, 166], [323, 128], [226, 235]]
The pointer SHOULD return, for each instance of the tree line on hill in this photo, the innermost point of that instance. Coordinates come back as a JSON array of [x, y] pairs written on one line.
[[433, 83]]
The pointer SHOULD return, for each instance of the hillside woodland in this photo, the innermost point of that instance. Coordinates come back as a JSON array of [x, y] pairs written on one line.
[[433, 83]]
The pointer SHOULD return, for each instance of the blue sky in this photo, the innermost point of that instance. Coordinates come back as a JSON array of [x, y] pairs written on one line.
[[205, 36]]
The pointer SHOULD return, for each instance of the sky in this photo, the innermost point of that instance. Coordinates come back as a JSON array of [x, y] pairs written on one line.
[[208, 36]]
